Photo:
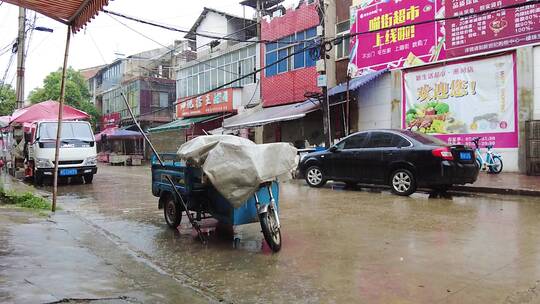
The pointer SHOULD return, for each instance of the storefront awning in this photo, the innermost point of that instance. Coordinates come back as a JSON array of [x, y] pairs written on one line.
[[356, 83], [269, 115], [71, 12], [178, 124]]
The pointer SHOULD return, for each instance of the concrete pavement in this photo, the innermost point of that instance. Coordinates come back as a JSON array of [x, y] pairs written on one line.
[[504, 183]]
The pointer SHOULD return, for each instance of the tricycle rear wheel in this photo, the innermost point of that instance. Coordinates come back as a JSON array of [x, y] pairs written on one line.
[[270, 229], [172, 212]]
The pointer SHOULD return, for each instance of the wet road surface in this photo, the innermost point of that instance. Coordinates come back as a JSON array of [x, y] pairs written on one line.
[[339, 246]]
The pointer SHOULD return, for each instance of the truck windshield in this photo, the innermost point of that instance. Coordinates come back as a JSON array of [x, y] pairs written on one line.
[[71, 130]]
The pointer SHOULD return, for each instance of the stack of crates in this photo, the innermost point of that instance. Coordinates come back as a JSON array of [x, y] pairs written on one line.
[[532, 133]]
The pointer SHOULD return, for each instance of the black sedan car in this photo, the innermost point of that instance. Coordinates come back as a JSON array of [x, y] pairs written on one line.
[[402, 159]]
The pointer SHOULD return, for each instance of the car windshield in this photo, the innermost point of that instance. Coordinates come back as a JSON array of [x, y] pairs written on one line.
[[70, 130], [424, 138]]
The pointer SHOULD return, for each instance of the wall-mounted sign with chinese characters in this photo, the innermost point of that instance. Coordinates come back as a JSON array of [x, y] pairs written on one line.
[[216, 102], [110, 120], [459, 101], [389, 35], [487, 32]]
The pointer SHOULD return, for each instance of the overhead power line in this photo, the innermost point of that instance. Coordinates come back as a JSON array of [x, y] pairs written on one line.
[[322, 44], [254, 73], [170, 49], [174, 29]]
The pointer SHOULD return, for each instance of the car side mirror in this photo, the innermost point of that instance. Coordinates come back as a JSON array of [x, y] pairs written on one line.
[[333, 149]]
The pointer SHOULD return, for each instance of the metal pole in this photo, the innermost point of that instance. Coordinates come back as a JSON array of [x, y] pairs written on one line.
[[60, 114], [259, 19], [325, 100], [168, 177], [21, 40], [348, 109]]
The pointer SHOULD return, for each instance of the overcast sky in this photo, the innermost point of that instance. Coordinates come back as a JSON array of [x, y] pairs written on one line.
[[103, 37]]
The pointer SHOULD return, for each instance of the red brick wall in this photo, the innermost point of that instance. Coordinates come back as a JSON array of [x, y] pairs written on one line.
[[293, 21], [288, 87]]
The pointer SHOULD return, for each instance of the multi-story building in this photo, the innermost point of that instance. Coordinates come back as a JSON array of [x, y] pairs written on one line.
[[216, 66], [145, 79], [290, 75]]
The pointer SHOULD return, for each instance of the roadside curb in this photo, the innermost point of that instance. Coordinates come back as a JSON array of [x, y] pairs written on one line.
[[505, 191]]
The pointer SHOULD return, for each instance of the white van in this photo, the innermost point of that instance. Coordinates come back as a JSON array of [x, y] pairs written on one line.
[[78, 154]]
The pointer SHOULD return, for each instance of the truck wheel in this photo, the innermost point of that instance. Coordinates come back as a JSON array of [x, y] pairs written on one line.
[[88, 178], [172, 212]]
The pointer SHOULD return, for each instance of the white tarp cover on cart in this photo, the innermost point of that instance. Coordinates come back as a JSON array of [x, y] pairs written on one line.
[[237, 166]]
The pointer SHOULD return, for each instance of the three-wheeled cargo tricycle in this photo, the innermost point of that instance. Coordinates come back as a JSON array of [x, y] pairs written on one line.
[[203, 200]]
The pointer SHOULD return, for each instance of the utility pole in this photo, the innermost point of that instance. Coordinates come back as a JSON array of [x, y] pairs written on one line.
[[328, 13], [20, 58]]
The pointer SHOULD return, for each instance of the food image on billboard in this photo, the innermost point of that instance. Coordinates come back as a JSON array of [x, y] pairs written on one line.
[[462, 100]]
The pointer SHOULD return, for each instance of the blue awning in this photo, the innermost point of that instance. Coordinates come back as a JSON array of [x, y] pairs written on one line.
[[356, 83]]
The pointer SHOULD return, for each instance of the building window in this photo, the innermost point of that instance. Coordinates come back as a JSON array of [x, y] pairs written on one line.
[[155, 99], [163, 99], [209, 74], [283, 48], [342, 49]]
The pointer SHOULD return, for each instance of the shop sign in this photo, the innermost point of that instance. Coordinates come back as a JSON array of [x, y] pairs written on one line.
[[110, 120], [459, 101], [215, 102], [397, 37], [492, 31]]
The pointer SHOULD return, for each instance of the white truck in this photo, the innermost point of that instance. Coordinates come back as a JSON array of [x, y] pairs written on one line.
[[78, 154]]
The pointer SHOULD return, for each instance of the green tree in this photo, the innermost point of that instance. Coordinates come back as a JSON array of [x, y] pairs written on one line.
[[76, 95], [8, 99]]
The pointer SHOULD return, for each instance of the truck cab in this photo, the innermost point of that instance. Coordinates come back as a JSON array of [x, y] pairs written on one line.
[[77, 157]]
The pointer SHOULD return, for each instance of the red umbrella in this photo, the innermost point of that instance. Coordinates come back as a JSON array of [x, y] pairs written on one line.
[[47, 110]]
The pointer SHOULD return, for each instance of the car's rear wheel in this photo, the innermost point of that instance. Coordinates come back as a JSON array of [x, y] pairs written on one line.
[[403, 182], [315, 176]]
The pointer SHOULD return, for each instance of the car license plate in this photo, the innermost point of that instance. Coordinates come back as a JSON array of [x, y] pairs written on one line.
[[66, 172], [465, 155]]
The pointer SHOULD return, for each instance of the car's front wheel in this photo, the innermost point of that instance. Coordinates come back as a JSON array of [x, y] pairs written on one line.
[[315, 176], [403, 182]]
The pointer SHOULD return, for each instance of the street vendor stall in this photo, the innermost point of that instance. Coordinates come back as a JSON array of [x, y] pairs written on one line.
[[118, 146]]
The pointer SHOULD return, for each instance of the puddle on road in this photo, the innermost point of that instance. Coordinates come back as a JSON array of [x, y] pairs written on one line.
[[339, 246]]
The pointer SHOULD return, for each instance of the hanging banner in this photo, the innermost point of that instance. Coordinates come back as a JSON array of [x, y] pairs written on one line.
[[395, 39], [499, 29], [459, 101]]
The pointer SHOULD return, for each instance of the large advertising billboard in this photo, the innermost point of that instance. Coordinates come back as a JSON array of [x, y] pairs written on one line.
[[497, 29], [389, 36], [459, 101], [403, 33]]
